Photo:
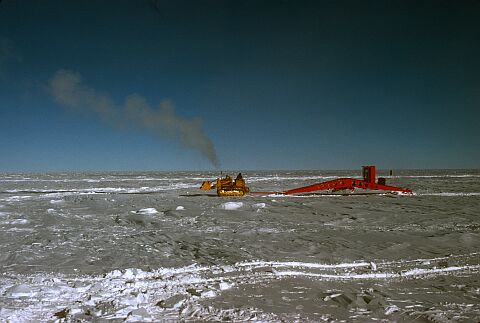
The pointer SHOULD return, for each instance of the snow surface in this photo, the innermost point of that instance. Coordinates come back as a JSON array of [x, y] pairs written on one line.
[[167, 292], [231, 205], [148, 210], [152, 247]]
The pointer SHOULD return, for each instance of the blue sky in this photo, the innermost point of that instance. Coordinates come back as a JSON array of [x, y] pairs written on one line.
[[275, 84]]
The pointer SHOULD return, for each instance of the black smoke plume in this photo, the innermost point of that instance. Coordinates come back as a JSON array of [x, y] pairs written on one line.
[[67, 89]]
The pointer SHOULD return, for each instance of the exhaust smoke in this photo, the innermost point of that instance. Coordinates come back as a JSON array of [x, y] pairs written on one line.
[[67, 89]]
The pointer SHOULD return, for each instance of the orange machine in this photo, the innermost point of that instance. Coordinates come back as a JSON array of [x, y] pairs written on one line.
[[227, 187]]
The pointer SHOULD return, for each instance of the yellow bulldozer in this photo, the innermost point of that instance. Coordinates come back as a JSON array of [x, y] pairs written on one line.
[[227, 187]]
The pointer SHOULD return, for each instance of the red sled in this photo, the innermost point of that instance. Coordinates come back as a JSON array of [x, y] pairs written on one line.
[[368, 183]]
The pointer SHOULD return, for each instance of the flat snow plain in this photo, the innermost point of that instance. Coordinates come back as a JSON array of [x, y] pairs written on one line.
[[152, 246]]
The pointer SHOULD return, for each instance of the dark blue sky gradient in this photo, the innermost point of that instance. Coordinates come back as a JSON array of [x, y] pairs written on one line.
[[277, 84]]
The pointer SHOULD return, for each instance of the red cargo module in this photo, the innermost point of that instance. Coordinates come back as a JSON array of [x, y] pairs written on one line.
[[368, 183]]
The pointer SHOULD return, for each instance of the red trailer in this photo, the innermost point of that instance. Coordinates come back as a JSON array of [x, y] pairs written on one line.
[[368, 183]]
